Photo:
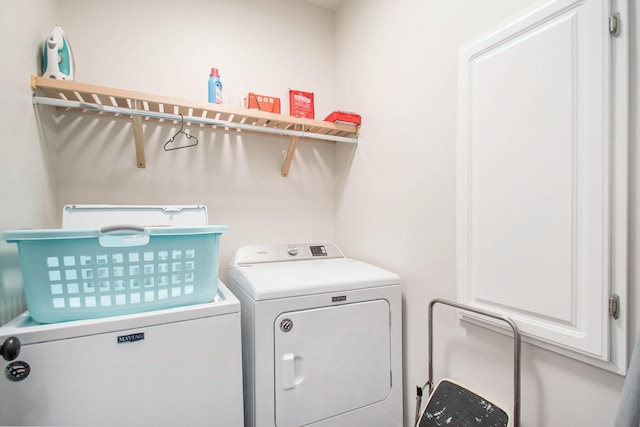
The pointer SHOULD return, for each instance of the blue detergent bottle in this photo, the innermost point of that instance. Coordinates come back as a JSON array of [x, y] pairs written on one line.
[[215, 87]]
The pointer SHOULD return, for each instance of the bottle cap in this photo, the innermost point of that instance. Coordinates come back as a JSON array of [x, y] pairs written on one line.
[[214, 72]]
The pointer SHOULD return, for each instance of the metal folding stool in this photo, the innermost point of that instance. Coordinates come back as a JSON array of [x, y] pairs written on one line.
[[452, 404]]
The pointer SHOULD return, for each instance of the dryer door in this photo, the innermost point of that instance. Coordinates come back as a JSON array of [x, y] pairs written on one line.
[[331, 360]]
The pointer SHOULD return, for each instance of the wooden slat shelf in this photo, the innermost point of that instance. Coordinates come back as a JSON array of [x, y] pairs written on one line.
[[81, 97]]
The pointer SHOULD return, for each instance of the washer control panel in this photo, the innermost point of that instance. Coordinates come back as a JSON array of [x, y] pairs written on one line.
[[286, 252]]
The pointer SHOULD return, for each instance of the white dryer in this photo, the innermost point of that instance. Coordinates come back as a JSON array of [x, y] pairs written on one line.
[[322, 337]]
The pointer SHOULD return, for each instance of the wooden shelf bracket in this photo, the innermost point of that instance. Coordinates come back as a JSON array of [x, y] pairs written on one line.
[[293, 144], [138, 138]]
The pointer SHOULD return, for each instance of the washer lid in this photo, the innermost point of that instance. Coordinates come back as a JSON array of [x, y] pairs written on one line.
[[264, 281], [98, 216], [32, 332]]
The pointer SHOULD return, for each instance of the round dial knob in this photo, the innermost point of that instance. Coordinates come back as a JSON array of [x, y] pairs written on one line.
[[10, 349], [292, 250]]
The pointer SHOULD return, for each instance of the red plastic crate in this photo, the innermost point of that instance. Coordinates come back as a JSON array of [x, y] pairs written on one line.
[[344, 117]]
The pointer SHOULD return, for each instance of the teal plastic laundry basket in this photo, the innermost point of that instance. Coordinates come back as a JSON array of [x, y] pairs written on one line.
[[93, 273]]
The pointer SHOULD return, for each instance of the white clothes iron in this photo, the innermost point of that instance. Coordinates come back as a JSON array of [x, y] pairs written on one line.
[[57, 59]]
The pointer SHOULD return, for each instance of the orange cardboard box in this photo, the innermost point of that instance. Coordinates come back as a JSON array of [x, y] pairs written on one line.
[[301, 104], [270, 104]]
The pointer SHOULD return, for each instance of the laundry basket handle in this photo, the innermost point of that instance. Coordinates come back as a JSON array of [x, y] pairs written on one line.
[[516, 348], [121, 227], [123, 235]]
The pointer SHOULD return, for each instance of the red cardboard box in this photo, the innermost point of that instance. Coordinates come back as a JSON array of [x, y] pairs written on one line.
[[301, 104], [266, 103]]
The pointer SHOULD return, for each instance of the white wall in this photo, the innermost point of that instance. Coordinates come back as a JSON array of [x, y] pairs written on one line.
[[26, 192], [397, 66], [389, 201], [168, 48]]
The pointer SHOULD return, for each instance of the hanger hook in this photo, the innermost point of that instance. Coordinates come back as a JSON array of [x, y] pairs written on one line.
[[181, 122]]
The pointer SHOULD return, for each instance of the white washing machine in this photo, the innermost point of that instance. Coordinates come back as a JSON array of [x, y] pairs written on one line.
[[173, 367], [322, 337]]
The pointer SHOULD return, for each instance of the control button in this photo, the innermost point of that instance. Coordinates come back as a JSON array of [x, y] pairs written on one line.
[[292, 250]]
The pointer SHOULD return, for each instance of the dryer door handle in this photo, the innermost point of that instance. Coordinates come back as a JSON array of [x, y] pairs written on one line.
[[288, 371], [291, 370]]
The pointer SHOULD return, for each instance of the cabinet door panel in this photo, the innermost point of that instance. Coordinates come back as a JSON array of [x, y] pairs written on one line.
[[536, 175]]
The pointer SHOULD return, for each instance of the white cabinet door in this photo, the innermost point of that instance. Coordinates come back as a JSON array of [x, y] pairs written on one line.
[[540, 193], [331, 360]]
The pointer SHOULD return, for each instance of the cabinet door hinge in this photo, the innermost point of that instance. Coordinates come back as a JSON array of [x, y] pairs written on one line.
[[614, 306], [614, 24]]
